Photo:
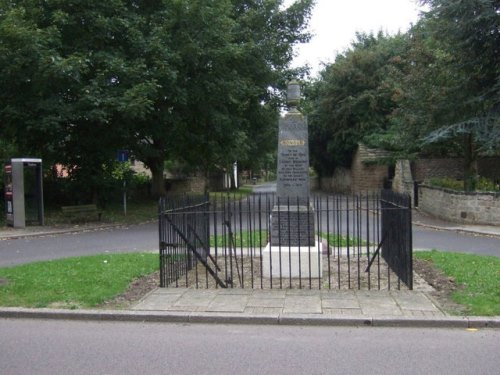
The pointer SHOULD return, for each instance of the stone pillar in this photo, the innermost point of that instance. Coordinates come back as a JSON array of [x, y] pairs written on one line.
[[293, 250]]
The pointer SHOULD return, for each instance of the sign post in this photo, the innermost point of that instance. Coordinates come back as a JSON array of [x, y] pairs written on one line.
[[122, 158]]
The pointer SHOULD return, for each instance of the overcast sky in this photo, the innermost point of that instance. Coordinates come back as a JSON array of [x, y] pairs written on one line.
[[335, 22]]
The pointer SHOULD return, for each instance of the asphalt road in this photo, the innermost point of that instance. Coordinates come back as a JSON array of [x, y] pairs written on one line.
[[69, 347], [144, 237], [132, 238]]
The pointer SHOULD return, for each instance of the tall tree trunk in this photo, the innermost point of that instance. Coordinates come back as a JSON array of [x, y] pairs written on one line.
[[470, 163], [157, 182]]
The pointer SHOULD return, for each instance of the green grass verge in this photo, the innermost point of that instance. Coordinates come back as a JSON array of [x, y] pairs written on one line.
[[260, 238], [342, 241], [479, 276], [73, 282], [136, 213], [241, 193], [242, 239]]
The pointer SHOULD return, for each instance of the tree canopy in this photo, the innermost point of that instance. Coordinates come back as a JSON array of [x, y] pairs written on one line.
[[353, 97], [429, 90], [189, 80]]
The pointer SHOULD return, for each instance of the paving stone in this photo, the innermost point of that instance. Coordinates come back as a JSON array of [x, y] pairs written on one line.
[[170, 290], [234, 291], [187, 308], [158, 302], [263, 310], [279, 294], [343, 312], [196, 299], [417, 301], [338, 294], [302, 305], [302, 292], [433, 313], [379, 306], [228, 303], [340, 304], [255, 301]]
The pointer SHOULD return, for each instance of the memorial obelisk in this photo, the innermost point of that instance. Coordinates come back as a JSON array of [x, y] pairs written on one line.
[[293, 251]]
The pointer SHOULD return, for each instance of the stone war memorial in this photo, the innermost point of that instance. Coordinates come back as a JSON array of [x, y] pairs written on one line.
[[292, 250]]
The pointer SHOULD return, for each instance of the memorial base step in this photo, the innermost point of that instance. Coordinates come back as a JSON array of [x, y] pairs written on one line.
[[293, 261]]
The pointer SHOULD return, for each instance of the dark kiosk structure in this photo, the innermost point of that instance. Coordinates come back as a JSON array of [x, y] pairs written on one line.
[[24, 192]]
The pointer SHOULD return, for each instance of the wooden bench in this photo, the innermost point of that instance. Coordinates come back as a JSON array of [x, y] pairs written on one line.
[[83, 211]]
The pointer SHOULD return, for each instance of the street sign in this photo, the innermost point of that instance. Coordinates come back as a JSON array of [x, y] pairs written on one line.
[[123, 155]]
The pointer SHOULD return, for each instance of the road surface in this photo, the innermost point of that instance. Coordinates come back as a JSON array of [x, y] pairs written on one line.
[[70, 347]]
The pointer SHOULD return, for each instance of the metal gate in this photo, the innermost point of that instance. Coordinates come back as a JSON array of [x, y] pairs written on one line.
[[397, 247], [221, 242]]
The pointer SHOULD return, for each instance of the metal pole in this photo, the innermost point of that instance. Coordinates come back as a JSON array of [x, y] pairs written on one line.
[[125, 197]]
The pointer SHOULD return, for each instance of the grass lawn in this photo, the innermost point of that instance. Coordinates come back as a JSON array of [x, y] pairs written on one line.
[[479, 276], [136, 213], [80, 282], [246, 238], [241, 193], [242, 238]]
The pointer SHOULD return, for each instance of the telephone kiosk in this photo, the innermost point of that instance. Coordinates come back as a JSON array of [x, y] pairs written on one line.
[[23, 182]]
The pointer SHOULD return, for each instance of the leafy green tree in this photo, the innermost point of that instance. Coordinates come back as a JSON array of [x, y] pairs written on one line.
[[60, 95], [459, 87], [171, 79], [439, 83], [352, 99], [468, 31]]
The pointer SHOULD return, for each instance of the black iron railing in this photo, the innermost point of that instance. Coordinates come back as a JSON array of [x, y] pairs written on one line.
[[359, 242], [397, 247]]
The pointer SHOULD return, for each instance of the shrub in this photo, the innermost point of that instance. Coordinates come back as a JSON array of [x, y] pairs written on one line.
[[481, 184]]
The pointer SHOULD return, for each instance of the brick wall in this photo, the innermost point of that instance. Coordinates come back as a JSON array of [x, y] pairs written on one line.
[[460, 207], [438, 168], [489, 167], [429, 168]]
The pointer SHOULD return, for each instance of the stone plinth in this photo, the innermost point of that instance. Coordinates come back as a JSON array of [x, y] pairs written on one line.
[[292, 225], [293, 261]]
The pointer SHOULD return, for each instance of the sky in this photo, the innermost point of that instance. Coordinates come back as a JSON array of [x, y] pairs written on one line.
[[334, 24]]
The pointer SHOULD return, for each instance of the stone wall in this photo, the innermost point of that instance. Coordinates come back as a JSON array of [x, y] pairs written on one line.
[[340, 182], [403, 178], [185, 185], [314, 183], [460, 207], [367, 175]]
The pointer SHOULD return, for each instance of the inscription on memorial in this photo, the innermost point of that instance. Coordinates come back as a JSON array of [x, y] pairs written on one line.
[[293, 158]]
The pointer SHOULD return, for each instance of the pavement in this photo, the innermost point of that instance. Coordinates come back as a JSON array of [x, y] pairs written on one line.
[[397, 308], [421, 219]]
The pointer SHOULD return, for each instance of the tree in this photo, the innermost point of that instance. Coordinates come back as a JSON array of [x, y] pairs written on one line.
[[172, 79], [60, 95], [352, 99], [467, 34]]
